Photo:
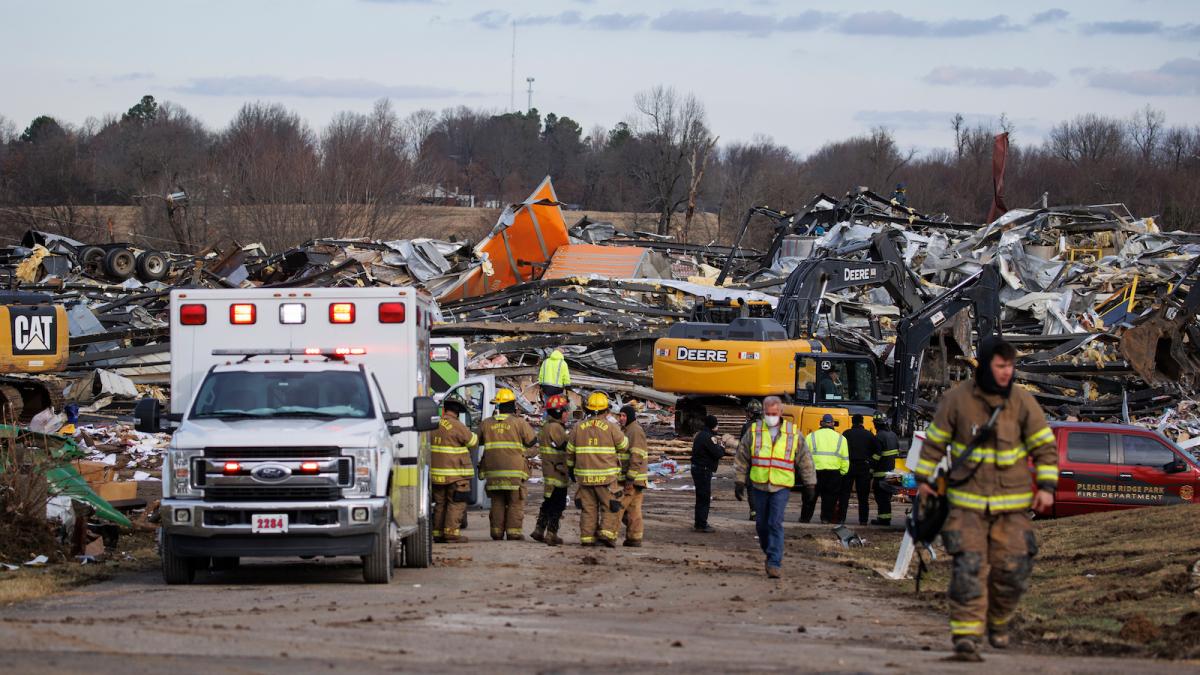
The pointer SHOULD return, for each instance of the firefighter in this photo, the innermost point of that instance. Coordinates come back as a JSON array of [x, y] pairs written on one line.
[[831, 459], [450, 471], [988, 530], [552, 446], [635, 462], [554, 376], [863, 446], [504, 465], [881, 464], [769, 455], [592, 461]]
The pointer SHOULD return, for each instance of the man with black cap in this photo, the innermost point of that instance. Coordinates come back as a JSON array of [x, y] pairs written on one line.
[[706, 454], [988, 531], [635, 465], [863, 446], [881, 463], [831, 459]]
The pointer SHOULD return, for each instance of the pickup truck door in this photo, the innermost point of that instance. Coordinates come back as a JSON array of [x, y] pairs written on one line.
[[478, 393], [1145, 461], [1088, 480]]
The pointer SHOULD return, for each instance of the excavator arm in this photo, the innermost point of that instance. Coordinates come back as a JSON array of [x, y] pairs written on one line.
[[980, 291]]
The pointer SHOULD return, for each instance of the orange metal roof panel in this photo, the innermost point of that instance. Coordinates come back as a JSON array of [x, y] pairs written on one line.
[[621, 262]]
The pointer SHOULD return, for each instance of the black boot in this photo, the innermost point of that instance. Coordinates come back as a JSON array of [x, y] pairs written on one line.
[[539, 530], [552, 538]]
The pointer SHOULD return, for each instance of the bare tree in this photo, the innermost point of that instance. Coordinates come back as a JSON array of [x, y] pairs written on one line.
[[697, 163], [1145, 130], [669, 128]]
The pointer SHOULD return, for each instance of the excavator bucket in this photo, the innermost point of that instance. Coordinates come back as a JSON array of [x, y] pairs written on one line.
[[1157, 349]]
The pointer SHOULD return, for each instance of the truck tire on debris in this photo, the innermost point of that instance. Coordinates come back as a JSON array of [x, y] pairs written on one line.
[[120, 263], [152, 266]]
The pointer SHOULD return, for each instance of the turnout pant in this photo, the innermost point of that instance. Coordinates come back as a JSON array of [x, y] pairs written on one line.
[[857, 481], [449, 507], [829, 487], [993, 559], [553, 505], [596, 516], [631, 515], [769, 508], [703, 480], [883, 501], [508, 511]]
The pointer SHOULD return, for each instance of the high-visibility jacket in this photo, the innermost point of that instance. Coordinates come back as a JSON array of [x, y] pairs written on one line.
[[552, 446], [592, 451], [450, 459], [506, 442], [554, 370], [1002, 481], [829, 450], [635, 460], [774, 463]]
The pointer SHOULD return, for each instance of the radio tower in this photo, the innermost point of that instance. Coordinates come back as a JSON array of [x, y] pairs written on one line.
[[512, 80], [529, 101]]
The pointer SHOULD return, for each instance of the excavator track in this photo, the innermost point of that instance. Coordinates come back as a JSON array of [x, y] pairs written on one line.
[[21, 398]]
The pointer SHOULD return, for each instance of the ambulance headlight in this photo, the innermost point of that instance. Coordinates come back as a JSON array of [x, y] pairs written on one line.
[[363, 471], [181, 480]]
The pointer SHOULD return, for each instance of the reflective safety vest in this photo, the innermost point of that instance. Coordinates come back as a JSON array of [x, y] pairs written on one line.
[[450, 461], [829, 450], [554, 371], [774, 463]]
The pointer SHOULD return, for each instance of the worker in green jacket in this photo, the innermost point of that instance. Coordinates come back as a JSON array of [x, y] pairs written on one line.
[[831, 459], [554, 376]]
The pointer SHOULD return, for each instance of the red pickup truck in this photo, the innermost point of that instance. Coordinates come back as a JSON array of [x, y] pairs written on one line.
[[1105, 467]]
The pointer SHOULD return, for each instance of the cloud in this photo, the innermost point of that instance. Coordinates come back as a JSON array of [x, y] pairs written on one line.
[[492, 18], [132, 77], [615, 21], [721, 21], [309, 87], [1050, 16], [1130, 27], [892, 24], [567, 18], [989, 77], [1178, 77]]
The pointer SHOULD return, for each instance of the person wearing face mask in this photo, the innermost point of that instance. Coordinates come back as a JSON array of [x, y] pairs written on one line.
[[769, 456], [990, 492]]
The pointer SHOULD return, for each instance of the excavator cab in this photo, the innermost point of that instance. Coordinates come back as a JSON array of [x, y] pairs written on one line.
[[841, 385]]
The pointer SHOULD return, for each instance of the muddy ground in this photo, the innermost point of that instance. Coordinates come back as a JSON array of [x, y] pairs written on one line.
[[684, 602]]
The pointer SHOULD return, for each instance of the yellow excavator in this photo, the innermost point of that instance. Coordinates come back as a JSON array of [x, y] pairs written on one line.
[[33, 339]]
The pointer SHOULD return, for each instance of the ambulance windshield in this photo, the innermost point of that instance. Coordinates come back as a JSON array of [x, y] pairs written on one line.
[[233, 395]]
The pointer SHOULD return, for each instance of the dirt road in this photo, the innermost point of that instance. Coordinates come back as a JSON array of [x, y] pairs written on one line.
[[684, 602]]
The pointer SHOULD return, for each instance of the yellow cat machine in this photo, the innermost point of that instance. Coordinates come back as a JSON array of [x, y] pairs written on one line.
[[33, 339]]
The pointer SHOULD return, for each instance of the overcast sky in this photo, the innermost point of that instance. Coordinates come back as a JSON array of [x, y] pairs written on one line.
[[800, 72]]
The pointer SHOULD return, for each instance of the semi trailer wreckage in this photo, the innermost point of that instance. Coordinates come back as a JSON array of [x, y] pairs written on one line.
[[1101, 304]]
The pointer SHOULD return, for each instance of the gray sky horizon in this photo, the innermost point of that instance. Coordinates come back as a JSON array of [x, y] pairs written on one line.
[[802, 73]]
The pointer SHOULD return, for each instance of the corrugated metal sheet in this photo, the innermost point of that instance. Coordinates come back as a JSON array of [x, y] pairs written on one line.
[[611, 262]]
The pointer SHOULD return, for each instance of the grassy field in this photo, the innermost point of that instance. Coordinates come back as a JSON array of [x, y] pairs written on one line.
[[136, 552], [1109, 583]]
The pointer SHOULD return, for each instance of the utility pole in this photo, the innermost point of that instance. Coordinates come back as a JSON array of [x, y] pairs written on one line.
[[529, 103], [512, 79]]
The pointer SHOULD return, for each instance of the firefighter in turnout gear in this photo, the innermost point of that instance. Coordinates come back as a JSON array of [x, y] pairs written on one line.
[[999, 428], [552, 446], [881, 463], [769, 456], [507, 441], [592, 461], [635, 463], [450, 471], [831, 457]]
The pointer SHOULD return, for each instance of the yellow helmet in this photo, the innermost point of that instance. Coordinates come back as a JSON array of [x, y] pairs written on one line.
[[597, 401], [504, 395]]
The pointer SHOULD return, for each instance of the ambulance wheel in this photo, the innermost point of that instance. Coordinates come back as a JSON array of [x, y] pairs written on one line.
[[120, 263], [418, 546], [377, 565], [177, 570]]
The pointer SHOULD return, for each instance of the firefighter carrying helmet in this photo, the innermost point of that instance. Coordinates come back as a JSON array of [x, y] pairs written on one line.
[[597, 401], [504, 395]]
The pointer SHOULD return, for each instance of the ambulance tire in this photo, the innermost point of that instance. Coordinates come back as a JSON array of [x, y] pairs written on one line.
[[120, 263], [418, 546], [177, 570], [377, 565]]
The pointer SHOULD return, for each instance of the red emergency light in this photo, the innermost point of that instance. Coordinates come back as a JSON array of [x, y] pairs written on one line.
[[309, 467], [341, 312], [232, 467], [193, 315], [391, 312], [242, 314]]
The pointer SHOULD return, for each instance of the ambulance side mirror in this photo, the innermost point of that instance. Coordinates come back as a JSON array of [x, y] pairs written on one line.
[[425, 416], [148, 417]]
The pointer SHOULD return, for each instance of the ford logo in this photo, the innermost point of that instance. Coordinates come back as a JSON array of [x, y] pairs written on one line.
[[270, 473]]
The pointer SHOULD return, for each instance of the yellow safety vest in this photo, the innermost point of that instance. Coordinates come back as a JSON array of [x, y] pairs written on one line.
[[829, 450], [774, 463]]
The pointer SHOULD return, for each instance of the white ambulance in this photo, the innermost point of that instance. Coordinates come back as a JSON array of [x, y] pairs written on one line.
[[287, 442]]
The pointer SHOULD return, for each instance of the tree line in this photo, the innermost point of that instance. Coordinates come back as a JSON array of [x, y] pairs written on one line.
[[269, 176]]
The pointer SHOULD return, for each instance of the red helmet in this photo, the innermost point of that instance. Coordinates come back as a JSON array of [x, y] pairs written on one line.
[[557, 402]]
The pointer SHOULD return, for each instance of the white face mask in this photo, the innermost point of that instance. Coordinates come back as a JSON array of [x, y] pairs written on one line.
[[771, 420]]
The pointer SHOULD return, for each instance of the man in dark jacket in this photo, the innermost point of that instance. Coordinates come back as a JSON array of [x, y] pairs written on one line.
[[707, 451], [863, 446], [883, 462]]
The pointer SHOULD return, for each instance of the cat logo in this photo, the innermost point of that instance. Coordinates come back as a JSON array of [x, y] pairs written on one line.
[[34, 331], [1186, 492]]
